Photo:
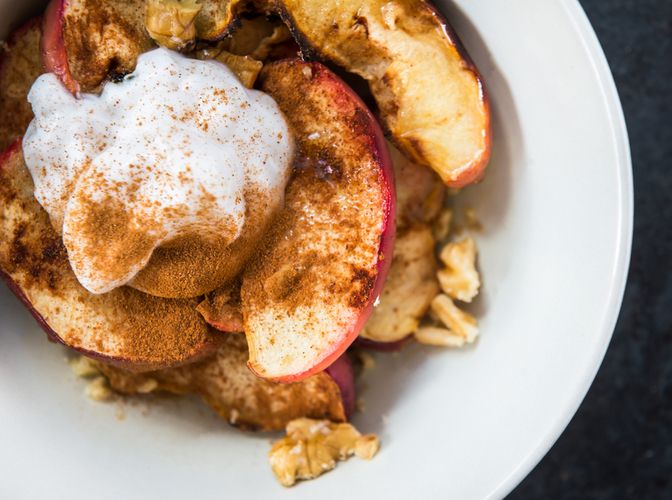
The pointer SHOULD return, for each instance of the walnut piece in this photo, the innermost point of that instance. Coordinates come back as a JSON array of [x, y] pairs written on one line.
[[437, 336], [459, 322], [459, 279], [99, 390], [443, 224], [245, 68], [83, 367], [171, 23], [312, 447]]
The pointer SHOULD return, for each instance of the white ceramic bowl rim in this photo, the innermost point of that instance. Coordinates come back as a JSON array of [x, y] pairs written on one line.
[[623, 253]]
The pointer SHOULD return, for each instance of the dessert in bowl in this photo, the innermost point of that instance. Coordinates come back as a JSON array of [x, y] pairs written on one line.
[[196, 203]]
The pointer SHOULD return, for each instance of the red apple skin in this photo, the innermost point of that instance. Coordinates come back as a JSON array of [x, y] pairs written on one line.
[[344, 376], [331, 83], [382, 346], [54, 54]]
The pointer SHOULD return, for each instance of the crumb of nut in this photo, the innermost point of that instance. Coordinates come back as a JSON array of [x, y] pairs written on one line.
[[441, 226], [171, 23], [366, 359], [312, 447], [367, 446], [360, 405], [459, 322], [471, 220], [459, 279], [120, 413], [307, 72], [437, 336], [147, 386], [98, 390], [83, 367]]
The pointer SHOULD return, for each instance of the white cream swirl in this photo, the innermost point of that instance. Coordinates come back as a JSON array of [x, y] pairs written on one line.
[[168, 152]]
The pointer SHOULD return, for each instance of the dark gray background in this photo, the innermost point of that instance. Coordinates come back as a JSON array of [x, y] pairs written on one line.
[[619, 444]]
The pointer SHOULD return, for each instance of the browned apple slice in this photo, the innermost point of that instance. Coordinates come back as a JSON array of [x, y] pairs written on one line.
[[125, 327], [309, 293], [87, 40], [431, 96], [246, 401], [20, 65]]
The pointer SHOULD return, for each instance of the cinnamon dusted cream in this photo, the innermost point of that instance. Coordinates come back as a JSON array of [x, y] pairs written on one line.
[[178, 149]]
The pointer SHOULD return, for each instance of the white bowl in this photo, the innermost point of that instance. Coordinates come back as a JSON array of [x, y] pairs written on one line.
[[469, 424]]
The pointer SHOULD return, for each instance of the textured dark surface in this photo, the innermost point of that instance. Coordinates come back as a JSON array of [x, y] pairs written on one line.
[[619, 444]]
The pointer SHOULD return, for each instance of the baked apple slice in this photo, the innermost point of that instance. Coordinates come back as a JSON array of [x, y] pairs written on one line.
[[20, 65], [124, 327], [431, 96], [225, 383], [312, 288], [84, 41]]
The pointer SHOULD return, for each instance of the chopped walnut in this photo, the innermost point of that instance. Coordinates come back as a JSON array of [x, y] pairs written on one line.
[[437, 336], [471, 220], [367, 361], [459, 279], [245, 68], [171, 23], [83, 367], [147, 386], [99, 390], [312, 447], [459, 322], [442, 224]]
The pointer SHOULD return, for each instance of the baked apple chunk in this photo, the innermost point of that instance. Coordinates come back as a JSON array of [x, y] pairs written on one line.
[[84, 41], [309, 293], [431, 97], [124, 327], [225, 384], [20, 65]]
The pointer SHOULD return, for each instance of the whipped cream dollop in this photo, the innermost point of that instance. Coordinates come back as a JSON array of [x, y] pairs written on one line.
[[177, 148]]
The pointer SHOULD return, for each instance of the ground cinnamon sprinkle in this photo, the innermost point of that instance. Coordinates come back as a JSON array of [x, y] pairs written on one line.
[[157, 329], [193, 265], [108, 239], [124, 325], [333, 205]]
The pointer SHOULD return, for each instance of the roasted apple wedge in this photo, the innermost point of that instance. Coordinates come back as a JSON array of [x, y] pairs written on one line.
[[431, 97], [225, 383], [309, 292], [85, 41], [20, 65], [124, 327]]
